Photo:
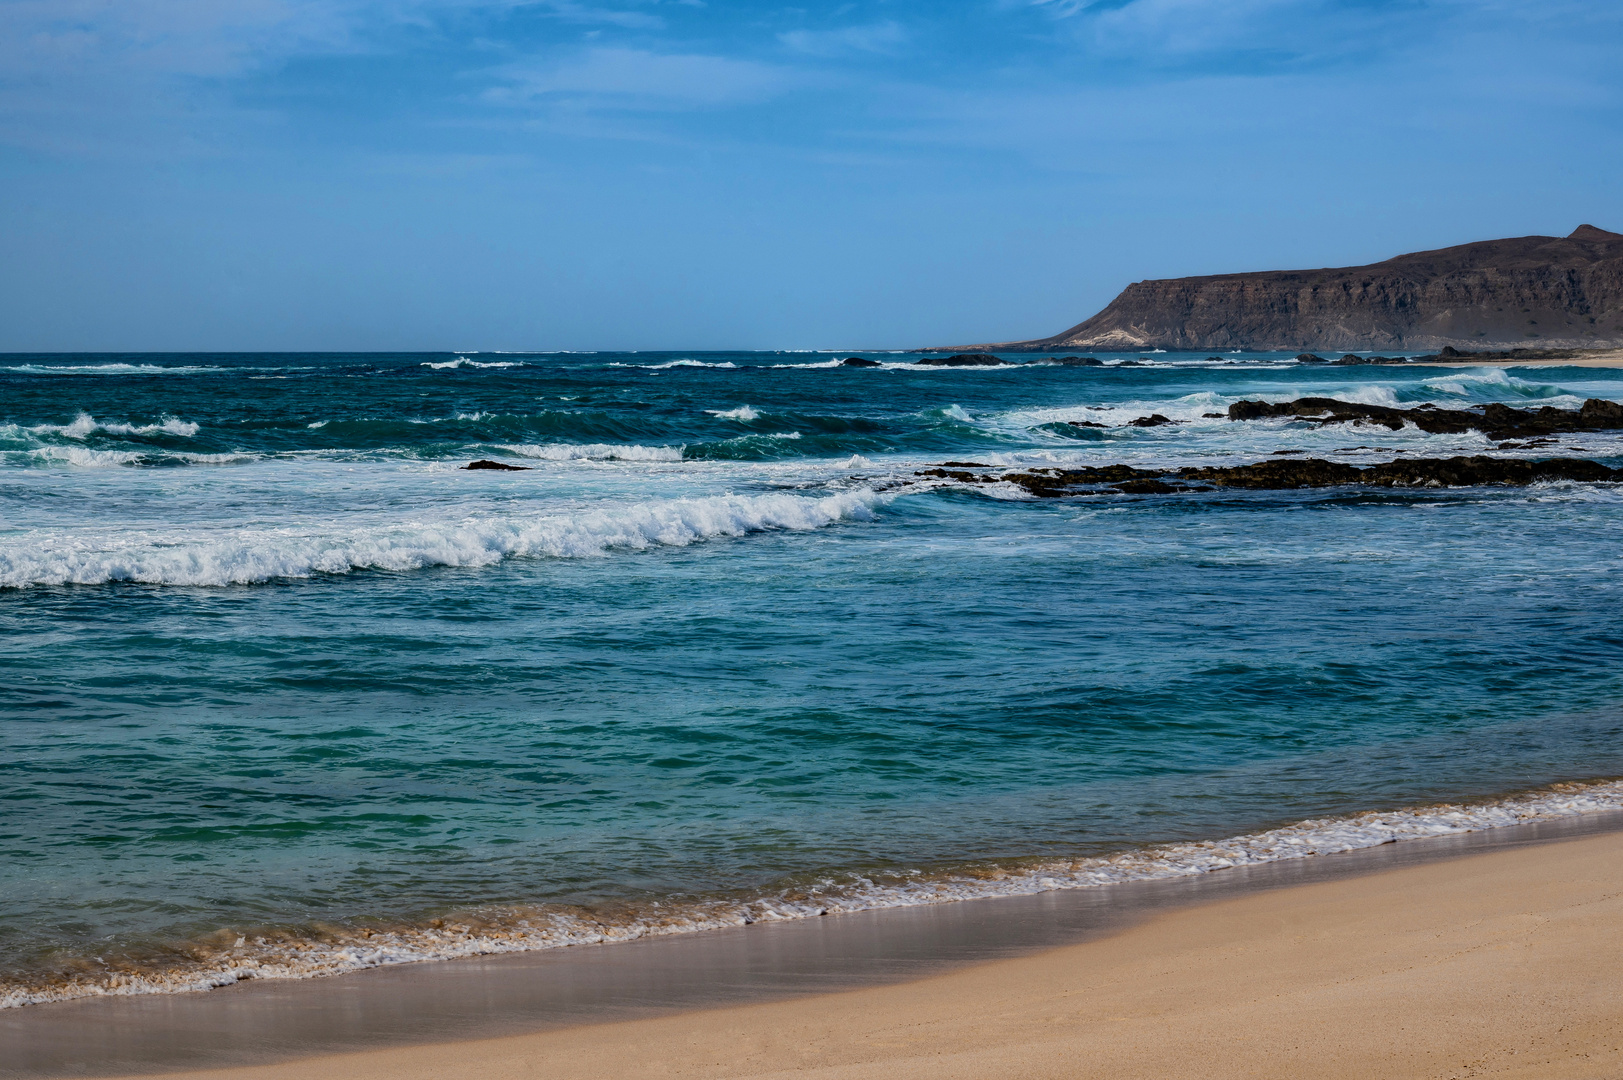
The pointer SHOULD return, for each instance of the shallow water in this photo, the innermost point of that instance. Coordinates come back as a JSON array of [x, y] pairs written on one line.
[[284, 691]]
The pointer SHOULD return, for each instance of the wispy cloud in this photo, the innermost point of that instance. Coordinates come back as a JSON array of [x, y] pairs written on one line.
[[640, 79], [881, 37]]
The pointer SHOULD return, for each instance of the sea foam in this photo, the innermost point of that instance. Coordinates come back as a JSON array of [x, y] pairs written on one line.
[[244, 556], [595, 452], [229, 957], [84, 425], [464, 362]]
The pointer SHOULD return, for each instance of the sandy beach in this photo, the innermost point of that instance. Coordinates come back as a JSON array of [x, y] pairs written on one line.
[[1611, 359], [1503, 965]]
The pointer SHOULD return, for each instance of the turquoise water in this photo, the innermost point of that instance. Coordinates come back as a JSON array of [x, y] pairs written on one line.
[[279, 679]]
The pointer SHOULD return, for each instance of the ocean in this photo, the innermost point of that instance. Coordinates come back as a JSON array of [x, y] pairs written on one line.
[[286, 692]]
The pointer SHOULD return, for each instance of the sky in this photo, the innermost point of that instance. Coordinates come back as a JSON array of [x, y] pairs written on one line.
[[724, 174]]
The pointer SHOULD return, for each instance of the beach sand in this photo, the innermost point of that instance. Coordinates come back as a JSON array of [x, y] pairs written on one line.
[[1507, 964]]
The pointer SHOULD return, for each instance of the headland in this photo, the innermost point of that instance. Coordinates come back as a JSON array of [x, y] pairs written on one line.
[[1540, 292]]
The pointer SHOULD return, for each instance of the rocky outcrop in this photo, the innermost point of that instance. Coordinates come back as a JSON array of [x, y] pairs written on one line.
[[966, 359], [1416, 472], [860, 361], [499, 466], [1497, 421], [1538, 291], [1289, 475]]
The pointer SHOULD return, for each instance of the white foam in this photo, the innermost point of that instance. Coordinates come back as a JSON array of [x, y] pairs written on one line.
[[463, 361], [242, 556], [596, 452], [84, 457], [85, 425], [108, 369], [677, 364], [743, 412], [519, 929]]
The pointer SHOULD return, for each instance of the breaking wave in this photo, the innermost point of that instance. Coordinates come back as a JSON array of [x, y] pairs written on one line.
[[84, 425], [464, 362], [252, 555], [726, 364], [111, 369], [231, 955], [595, 452]]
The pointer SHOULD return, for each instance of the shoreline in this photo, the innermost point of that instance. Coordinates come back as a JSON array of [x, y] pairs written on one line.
[[1497, 965], [1612, 359], [390, 1018], [232, 957]]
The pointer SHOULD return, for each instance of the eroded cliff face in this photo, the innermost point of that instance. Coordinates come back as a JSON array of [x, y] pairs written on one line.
[[1538, 291]]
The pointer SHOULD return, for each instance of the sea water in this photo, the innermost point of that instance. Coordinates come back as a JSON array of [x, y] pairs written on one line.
[[285, 691]]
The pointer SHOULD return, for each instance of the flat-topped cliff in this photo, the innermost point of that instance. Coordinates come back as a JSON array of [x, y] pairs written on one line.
[[1546, 291]]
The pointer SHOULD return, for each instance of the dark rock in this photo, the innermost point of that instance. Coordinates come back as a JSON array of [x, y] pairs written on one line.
[[1309, 358], [1353, 358], [1599, 412], [1497, 420], [1072, 361], [965, 465], [1153, 420], [1083, 423], [1450, 355], [858, 361], [971, 359], [1298, 473], [1213, 416], [1411, 472], [497, 465]]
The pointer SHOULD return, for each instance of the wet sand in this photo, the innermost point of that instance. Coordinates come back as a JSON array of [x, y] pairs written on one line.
[[1385, 963]]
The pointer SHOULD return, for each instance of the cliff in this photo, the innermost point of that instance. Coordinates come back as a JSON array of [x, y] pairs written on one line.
[[1544, 291]]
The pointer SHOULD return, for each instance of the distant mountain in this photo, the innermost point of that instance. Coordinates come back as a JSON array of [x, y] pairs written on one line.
[[1543, 291]]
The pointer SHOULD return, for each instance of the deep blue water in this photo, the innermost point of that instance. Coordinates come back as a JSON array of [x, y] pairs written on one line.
[[273, 664]]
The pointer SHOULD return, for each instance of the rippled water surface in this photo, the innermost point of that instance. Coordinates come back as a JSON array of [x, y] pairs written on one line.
[[278, 678]]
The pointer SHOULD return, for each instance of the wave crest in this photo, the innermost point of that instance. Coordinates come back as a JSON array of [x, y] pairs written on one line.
[[252, 556], [595, 452]]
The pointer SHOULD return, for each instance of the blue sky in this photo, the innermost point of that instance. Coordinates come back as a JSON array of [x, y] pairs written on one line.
[[574, 174]]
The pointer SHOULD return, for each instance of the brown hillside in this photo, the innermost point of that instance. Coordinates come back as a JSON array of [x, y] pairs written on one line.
[[1543, 291]]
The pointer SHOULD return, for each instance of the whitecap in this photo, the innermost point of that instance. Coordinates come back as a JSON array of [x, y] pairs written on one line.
[[463, 361], [84, 425], [743, 412], [596, 452], [110, 369], [242, 556]]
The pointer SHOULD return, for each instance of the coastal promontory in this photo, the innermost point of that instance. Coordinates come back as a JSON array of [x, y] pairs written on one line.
[[1541, 291]]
